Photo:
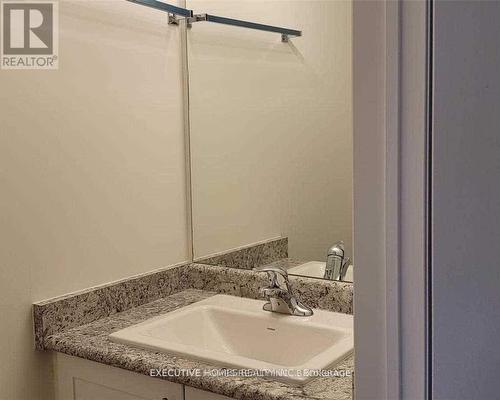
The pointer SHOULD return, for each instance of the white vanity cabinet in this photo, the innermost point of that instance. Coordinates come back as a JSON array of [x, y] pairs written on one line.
[[197, 394], [79, 379]]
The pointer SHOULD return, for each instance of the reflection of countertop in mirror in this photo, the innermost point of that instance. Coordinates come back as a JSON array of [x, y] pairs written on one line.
[[273, 252], [249, 256], [285, 263], [309, 269], [79, 325]]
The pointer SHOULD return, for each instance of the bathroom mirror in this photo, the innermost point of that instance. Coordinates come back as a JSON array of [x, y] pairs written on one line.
[[265, 117]]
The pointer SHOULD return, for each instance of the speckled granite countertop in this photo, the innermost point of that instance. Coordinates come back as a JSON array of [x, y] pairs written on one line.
[[91, 342], [285, 263]]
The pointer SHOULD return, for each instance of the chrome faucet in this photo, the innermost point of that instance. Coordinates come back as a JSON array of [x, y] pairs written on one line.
[[336, 262], [279, 294]]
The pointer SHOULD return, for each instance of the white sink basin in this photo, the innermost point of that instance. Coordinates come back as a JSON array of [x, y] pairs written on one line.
[[236, 332], [316, 269]]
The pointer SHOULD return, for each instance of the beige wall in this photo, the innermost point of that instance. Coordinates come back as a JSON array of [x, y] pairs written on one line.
[[271, 126], [92, 155], [91, 169]]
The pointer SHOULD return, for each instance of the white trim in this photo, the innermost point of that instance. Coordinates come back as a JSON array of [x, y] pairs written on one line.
[[413, 199], [390, 159], [369, 139]]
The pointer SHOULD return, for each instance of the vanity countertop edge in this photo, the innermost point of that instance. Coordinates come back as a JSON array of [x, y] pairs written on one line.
[[90, 341]]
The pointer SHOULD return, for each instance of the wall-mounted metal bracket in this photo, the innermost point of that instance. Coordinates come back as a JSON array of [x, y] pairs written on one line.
[[285, 38], [195, 18], [173, 19]]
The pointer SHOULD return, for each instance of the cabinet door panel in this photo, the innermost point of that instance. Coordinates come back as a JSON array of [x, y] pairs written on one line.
[[84, 390], [197, 394], [79, 379]]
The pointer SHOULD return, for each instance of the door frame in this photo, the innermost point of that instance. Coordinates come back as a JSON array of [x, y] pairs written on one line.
[[391, 89]]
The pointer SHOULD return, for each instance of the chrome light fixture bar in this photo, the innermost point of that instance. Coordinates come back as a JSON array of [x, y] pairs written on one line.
[[285, 32], [174, 11], [158, 5]]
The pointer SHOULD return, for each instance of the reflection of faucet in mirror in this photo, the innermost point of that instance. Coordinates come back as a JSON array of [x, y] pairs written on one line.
[[336, 262], [279, 294]]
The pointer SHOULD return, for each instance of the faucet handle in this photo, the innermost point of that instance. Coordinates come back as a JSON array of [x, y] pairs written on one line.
[[273, 270], [345, 267], [279, 294], [274, 273]]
